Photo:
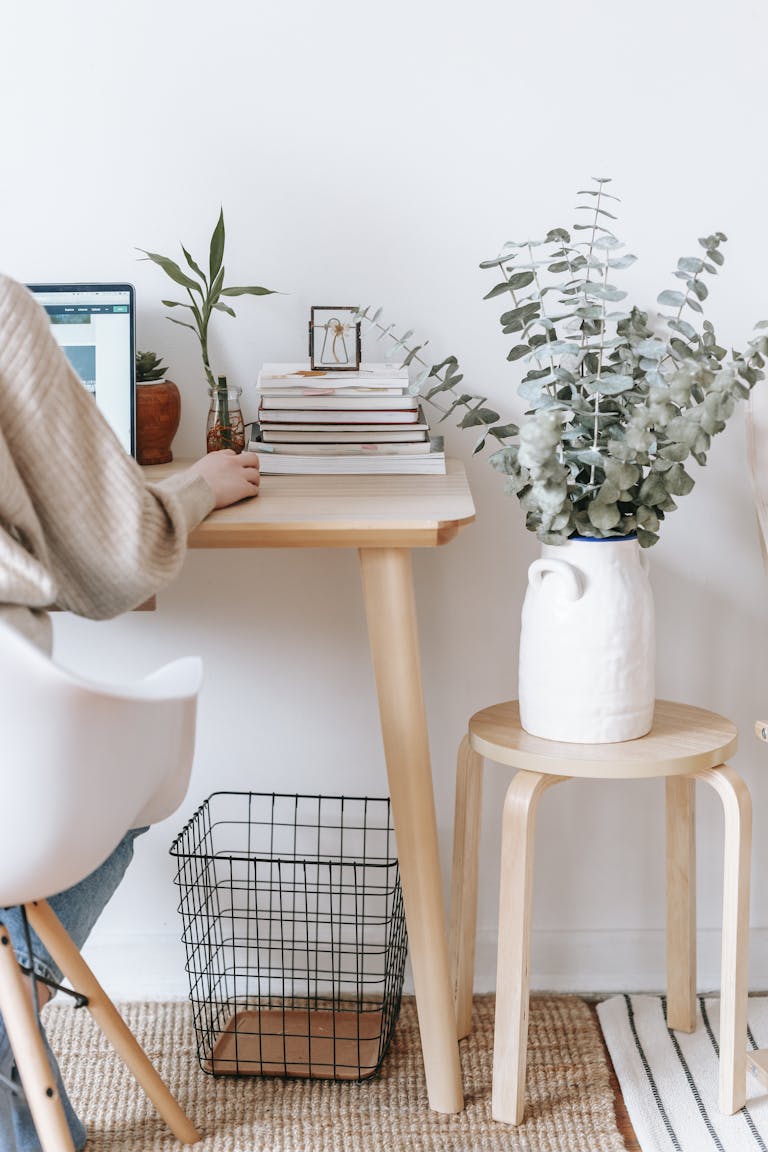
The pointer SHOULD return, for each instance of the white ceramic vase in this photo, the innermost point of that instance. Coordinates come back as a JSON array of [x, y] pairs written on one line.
[[587, 643]]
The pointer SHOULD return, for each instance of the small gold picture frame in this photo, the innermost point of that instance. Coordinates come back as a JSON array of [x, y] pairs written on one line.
[[334, 339]]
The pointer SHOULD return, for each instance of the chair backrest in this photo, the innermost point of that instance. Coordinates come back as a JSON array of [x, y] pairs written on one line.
[[82, 763]]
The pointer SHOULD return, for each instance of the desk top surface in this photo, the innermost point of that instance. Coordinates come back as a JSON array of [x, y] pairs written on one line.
[[339, 511]]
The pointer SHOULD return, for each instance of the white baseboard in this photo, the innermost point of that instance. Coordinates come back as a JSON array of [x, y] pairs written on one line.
[[133, 967], [605, 961]]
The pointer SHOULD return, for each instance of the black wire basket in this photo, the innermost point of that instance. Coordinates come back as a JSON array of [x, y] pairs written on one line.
[[295, 935]]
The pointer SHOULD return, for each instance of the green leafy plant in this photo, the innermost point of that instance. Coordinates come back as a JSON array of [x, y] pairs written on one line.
[[149, 368], [617, 400], [204, 291]]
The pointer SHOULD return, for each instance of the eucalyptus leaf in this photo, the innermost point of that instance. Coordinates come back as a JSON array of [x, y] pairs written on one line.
[[609, 385], [652, 348], [518, 352], [604, 291], [684, 328], [497, 290], [671, 299], [603, 516], [607, 243], [477, 416]]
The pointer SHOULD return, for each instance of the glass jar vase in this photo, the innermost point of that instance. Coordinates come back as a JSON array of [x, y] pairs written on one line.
[[225, 427]]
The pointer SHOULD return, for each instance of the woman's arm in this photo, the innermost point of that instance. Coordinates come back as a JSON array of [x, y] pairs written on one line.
[[108, 538]]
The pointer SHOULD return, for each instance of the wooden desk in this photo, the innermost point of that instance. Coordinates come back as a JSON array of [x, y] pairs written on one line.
[[383, 517]]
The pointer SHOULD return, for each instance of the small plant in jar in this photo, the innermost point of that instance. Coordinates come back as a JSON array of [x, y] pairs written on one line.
[[205, 296]]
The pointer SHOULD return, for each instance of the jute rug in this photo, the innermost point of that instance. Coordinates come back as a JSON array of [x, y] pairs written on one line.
[[570, 1101], [669, 1079]]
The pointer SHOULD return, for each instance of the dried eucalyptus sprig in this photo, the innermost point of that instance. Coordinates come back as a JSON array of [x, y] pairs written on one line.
[[448, 377], [617, 402]]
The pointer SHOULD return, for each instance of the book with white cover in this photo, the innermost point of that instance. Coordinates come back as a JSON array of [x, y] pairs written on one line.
[[335, 448], [344, 433], [329, 390], [369, 375], [272, 464], [339, 403], [335, 416]]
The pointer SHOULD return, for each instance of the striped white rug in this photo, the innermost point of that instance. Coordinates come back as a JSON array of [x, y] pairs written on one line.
[[669, 1079]]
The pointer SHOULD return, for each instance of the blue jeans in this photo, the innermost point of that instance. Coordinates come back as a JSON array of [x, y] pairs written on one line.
[[78, 908]]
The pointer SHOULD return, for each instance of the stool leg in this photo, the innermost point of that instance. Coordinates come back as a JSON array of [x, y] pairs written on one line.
[[512, 970], [681, 903], [464, 875], [737, 809], [29, 1053], [67, 956]]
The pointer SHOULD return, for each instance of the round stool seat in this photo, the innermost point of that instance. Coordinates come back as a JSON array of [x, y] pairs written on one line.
[[683, 739]]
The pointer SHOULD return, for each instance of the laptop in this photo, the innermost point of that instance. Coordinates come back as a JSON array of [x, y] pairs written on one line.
[[95, 325]]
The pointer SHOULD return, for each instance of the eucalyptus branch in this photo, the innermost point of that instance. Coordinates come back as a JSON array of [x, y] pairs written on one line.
[[604, 445]]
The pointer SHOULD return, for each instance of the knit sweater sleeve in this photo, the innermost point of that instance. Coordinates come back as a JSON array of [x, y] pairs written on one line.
[[107, 537]]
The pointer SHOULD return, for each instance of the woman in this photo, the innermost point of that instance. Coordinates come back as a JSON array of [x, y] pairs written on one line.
[[82, 530]]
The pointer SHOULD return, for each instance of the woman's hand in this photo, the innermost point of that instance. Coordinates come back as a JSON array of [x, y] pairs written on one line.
[[230, 475]]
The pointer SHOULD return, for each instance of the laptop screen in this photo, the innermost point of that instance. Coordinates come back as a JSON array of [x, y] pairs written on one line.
[[94, 324]]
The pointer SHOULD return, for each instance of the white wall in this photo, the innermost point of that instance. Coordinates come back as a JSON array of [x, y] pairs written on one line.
[[377, 154]]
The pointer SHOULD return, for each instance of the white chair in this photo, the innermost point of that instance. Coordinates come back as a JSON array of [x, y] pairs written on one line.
[[83, 763]]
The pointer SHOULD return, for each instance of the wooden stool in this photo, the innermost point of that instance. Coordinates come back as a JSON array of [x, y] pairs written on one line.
[[685, 744]]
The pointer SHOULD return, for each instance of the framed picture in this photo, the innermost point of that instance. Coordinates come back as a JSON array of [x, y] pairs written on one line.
[[334, 338]]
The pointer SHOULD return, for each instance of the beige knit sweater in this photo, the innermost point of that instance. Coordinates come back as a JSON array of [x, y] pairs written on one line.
[[79, 526]]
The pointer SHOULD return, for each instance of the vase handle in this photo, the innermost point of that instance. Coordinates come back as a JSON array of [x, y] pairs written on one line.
[[570, 582]]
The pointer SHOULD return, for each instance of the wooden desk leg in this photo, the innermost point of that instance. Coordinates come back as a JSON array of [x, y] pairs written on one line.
[[737, 809], [391, 613], [513, 966], [681, 903], [464, 877]]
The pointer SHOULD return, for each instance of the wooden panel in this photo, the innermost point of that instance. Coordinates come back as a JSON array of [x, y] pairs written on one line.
[[683, 739], [339, 511]]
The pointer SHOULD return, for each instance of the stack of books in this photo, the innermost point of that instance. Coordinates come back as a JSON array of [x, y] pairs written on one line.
[[343, 422]]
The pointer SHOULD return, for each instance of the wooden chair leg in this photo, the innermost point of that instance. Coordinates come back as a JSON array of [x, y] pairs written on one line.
[[464, 877], [737, 809], [68, 958], [681, 903], [26, 1042], [512, 971]]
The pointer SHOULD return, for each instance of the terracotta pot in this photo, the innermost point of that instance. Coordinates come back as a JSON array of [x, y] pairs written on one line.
[[158, 409]]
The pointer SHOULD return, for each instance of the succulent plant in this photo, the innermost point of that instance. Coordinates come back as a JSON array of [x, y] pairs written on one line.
[[149, 368]]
